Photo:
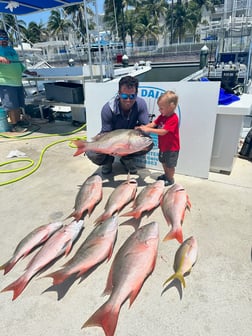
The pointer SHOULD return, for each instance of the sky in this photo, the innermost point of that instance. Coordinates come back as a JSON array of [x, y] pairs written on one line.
[[43, 16]]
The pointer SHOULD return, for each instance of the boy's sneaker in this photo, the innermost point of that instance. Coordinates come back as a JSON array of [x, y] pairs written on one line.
[[168, 182], [162, 177], [18, 129], [129, 165]]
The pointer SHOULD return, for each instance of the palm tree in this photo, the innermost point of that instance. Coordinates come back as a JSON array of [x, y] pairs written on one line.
[[146, 28], [10, 23], [155, 8], [180, 19], [57, 24], [77, 17], [36, 32]]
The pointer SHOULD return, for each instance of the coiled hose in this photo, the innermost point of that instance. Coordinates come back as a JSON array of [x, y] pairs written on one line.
[[31, 162]]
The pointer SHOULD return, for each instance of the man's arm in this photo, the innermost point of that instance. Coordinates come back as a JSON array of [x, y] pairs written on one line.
[[143, 113], [106, 119]]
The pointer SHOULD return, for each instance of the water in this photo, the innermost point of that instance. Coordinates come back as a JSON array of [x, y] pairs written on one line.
[[168, 72]]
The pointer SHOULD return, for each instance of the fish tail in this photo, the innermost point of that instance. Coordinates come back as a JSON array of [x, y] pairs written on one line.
[[132, 213], [178, 276], [17, 286], [102, 218], [58, 277], [178, 234], [81, 147], [8, 266], [76, 214], [105, 317]]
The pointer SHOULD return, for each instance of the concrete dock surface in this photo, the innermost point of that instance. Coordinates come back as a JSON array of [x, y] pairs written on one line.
[[217, 299]]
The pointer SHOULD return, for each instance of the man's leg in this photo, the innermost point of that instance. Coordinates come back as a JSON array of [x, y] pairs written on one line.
[[129, 164]]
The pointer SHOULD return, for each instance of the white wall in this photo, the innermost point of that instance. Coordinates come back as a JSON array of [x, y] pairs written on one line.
[[198, 102]]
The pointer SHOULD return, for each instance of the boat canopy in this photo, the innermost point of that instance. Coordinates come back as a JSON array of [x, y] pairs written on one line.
[[22, 7]]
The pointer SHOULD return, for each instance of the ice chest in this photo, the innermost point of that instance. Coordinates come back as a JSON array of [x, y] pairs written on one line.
[[65, 92]]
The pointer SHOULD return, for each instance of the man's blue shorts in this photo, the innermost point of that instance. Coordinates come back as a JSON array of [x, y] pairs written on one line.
[[12, 97]]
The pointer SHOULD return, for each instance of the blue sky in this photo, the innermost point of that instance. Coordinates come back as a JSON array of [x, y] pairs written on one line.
[[43, 16]]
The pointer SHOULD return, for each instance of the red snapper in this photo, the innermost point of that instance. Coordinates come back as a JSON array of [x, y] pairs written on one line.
[[133, 263]]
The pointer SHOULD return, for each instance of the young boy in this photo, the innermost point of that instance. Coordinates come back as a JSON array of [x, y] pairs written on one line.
[[166, 126]]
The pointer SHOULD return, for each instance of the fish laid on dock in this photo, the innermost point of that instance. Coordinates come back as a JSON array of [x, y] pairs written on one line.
[[87, 197], [118, 142], [174, 204], [97, 247], [58, 244], [185, 258], [29, 242], [148, 199], [133, 263], [119, 197]]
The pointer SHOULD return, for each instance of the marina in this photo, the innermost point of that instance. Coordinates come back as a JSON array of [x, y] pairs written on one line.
[[40, 179]]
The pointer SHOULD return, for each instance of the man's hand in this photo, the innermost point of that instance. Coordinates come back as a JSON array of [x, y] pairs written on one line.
[[4, 60]]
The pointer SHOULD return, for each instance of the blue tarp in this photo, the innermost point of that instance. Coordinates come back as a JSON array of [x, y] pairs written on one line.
[[225, 98], [32, 6]]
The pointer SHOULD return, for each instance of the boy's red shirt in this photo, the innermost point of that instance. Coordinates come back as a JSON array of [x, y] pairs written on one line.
[[170, 141]]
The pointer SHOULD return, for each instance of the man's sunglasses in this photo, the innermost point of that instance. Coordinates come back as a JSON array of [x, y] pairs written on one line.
[[125, 96]]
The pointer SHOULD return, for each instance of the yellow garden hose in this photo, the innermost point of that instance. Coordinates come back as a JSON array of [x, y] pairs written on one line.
[[31, 162]]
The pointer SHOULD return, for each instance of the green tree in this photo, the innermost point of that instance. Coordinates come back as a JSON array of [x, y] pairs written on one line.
[[36, 32], [12, 28], [58, 24], [76, 15]]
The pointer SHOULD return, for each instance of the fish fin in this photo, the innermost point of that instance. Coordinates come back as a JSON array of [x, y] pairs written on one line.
[[132, 213], [178, 276], [8, 265], [81, 148], [188, 204], [110, 252], [178, 234], [102, 218], [58, 276], [134, 294], [68, 247], [132, 222], [109, 284], [76, 214], [105, 317], [17, 286], [91, 209]]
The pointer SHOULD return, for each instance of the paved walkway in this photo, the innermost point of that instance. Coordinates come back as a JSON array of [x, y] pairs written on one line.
[[217, 298]]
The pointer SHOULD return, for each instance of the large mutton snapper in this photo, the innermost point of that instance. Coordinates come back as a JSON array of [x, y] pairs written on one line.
[[119, 142], [97, 247], [133, 263], [185, 258], [174, 204], [58, 244], [35, 238], [87, 197]]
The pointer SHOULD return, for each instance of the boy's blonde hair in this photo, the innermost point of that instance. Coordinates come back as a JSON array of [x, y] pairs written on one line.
[[169, 97]]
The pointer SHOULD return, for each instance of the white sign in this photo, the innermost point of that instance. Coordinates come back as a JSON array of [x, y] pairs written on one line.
[[197, 109]]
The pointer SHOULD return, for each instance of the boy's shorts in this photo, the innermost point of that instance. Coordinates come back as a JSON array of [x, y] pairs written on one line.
[[12, 97], [170, 159]]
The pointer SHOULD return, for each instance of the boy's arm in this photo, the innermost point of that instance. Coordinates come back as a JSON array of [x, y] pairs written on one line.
[[151, 128]]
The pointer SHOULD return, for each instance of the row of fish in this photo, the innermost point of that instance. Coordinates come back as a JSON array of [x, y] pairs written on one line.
[[125, 279], [174, 202]]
